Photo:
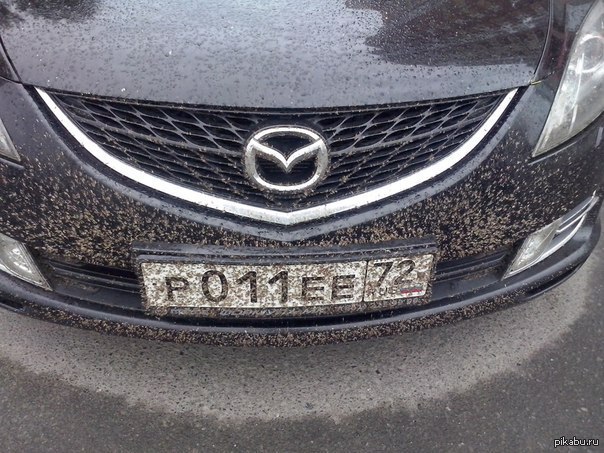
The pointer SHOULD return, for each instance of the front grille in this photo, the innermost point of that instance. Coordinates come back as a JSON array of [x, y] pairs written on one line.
[[202, 148]]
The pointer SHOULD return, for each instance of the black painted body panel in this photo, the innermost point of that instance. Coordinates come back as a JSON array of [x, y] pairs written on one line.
[[66, 206], [63, 204], [276, 53]]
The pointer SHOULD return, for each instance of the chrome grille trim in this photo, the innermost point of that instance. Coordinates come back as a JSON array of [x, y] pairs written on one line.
[[269, 215]]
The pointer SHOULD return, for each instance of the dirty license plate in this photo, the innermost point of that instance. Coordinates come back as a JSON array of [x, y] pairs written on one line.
[[199, 285]]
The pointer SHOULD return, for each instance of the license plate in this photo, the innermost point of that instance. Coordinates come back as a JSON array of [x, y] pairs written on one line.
[[212, 285]]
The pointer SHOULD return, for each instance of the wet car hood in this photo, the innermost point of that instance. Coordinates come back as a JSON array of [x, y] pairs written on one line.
[[275, 53]]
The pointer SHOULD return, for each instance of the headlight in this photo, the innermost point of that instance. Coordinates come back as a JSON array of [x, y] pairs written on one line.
[[580, 97], [17, 261], [7, 149]]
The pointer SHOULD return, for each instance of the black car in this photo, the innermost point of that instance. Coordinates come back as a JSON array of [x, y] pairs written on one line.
[[290, 173]]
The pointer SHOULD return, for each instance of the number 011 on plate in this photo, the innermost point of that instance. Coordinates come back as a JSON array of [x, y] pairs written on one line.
[[211, 285]]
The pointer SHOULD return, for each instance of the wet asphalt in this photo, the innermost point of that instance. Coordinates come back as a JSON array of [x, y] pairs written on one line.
[[515, 380]]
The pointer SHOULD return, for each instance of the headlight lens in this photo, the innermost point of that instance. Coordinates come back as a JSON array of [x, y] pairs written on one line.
[[7, 149], [580, 97], [16, 260]]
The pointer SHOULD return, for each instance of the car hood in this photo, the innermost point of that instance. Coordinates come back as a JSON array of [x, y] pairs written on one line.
[[275, 53]]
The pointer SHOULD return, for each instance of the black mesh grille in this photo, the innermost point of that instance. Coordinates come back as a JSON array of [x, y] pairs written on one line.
[[202, 149]]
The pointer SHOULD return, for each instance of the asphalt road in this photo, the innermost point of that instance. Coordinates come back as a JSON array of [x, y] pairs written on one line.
[[511, 381]]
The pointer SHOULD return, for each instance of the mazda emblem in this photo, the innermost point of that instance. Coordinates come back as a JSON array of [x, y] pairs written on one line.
[[286, 159]]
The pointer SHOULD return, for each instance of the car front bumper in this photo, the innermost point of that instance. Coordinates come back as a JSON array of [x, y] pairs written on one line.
[[461, 291], [66, 209]]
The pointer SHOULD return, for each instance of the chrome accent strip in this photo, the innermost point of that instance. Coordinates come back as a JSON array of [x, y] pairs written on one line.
[[575, 222], [577, 214], [564, 232], [269, 215]]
